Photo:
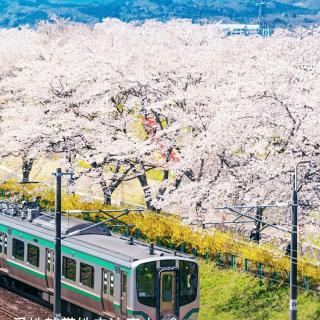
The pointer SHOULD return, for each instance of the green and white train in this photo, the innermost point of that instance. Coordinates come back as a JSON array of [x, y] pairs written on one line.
[[103, 274]]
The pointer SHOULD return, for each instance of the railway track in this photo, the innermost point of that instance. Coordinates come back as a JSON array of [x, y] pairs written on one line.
[[17, 305], [7, 315]]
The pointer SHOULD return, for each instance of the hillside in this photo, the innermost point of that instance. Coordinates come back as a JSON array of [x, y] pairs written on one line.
[[229, 295], [285, 13]]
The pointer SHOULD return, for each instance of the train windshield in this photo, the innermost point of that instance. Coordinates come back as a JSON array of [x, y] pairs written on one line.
[[146, 283], [147, 278], [188, 282]]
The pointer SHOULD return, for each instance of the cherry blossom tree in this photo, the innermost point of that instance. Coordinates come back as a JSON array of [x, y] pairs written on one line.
[[224, 118]]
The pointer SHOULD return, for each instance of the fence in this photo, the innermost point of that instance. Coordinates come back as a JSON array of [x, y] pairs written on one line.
[[223, 260]]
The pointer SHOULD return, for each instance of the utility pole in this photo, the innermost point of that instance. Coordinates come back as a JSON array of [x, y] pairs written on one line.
[[293, 252], [262, 19], [243, 211], [57, 247], [294, 244], [58, 237], [262, 14]]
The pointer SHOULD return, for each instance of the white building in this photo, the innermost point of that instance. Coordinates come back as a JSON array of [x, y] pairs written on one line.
[[262, 28], [244, 29]]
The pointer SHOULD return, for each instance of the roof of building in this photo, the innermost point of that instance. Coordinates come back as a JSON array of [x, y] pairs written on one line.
[[238, 26]]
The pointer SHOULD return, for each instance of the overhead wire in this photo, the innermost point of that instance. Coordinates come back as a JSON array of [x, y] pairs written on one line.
[[256, 246], [200, 224]]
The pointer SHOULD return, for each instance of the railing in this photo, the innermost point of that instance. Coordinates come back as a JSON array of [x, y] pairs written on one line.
[[223, 260]]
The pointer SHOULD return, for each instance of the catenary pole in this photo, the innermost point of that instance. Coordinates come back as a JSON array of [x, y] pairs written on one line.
[[58, 237], [294, 236], [57, 258], [293, 307], [293, 252]]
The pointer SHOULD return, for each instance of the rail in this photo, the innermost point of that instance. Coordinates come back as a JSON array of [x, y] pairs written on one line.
[[7, 314]]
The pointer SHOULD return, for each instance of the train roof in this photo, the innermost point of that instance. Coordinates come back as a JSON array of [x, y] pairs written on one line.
[[97, 241]]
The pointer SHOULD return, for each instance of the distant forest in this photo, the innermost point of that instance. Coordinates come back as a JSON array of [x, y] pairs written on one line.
[[281, 13]]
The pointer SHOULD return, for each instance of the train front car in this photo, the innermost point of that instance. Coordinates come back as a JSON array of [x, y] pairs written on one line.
[[103, 273], [166, 288]]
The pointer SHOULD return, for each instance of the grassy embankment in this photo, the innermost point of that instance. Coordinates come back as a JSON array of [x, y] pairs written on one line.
[[231, 295]]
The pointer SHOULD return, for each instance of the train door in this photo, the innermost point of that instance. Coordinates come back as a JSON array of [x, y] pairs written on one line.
[[124, 294], [168, 294], [3, 250], [49, 268], [108, 292]]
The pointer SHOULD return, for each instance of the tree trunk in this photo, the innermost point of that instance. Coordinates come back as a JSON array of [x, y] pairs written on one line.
[[189, 174], [107, 193], [146, 190], [117, 179], [26, 169], [162, 189], [70, 158], [109, 190]]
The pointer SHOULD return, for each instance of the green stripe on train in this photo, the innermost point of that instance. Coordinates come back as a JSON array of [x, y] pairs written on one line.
[[64, 285], [192, 311], [79, 291], [66, 250], [89, 295], [20, 267], [138, 313], [146, 317]]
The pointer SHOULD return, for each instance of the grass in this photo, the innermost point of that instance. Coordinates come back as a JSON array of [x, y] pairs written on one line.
[[231, 295]]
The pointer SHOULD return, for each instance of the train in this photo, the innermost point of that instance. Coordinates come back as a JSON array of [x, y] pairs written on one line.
[[104, 274]]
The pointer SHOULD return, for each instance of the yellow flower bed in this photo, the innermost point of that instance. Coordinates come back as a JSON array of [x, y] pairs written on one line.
[[171, 232]]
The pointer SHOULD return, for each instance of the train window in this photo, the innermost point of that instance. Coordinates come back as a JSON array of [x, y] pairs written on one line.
[[188, 282], [86, 275], [48, 260], [1, 242], [105, 282], [123, 282], [146, 280], [33, 255], [111, 284], [108, 277], [167, 284], [167, 263], [5, 244], [18, 249], [69, 268]]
